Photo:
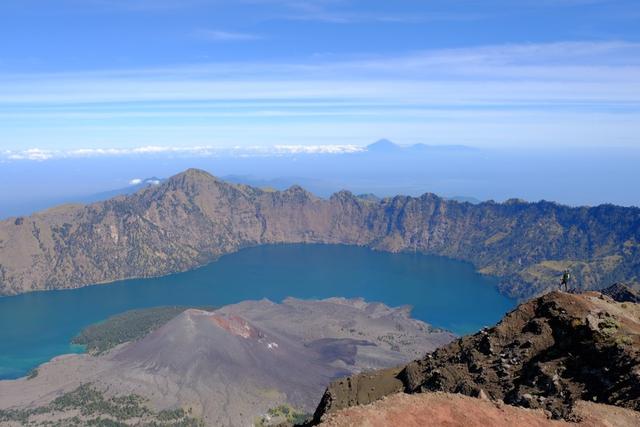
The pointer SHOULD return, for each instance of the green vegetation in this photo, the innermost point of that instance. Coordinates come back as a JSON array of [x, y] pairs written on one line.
[[608, 326], [283, 414], [128, 326], [88, 406], [91, 401], [171, 414], [624, 340]]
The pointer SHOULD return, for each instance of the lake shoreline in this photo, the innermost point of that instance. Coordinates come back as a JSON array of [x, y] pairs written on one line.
[[445, 293]]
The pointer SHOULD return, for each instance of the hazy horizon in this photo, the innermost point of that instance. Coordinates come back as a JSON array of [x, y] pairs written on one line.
[[545, 95], [586, 177]]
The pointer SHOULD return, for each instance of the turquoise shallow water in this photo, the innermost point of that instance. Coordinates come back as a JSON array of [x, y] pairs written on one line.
[[38, 326]]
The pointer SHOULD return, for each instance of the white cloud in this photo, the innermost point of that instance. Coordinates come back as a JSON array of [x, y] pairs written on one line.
[[317, 149], [30, 154], [135, 181], [195, 151]]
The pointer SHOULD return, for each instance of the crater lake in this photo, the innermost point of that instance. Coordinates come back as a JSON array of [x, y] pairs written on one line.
[[445, 293]]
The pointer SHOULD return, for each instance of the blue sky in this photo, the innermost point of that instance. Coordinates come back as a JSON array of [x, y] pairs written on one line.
[[93, 77]]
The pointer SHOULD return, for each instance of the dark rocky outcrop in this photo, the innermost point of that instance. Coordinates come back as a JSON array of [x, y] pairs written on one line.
[[622, 293], [548, 354], [193, 218]]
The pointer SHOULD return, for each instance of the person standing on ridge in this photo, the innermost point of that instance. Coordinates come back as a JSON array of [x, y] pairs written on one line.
[[566, 277]]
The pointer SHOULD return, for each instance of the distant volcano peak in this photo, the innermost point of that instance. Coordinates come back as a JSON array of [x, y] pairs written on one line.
[[383, 145]]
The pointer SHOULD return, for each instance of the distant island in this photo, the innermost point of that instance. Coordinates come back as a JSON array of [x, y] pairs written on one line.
[[384, 146]]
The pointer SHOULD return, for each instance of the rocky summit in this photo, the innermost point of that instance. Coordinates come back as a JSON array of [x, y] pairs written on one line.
[[193, 218], [549, 354]]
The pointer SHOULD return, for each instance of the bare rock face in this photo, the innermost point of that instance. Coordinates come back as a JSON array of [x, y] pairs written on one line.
[[548, 354], [193, 218]]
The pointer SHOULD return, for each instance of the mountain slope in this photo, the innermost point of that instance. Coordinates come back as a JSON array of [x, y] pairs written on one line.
[[233, 364], [549, 353], [193, 218]]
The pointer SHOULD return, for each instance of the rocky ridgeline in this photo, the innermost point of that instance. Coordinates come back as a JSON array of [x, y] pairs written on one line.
[[549, 353], [193, 218]]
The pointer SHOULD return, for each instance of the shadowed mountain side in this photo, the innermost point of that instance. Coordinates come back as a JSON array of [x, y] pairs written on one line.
[[622, 293], [193, 218]]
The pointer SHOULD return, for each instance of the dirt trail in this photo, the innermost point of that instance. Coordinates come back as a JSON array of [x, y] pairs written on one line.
[[455, 410]]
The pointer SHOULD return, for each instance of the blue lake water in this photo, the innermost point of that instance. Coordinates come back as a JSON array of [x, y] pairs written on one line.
[[37, 326]]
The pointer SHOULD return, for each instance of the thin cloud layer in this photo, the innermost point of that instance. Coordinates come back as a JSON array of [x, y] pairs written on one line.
[[224, 36], [38, 154], [585, 93]]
